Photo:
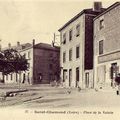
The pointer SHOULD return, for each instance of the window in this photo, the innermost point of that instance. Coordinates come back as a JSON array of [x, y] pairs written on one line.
[[64, 38], [51, 77], [77, 76], [64, 75], [24, 78], [19, 76], [101, 24], [28, 77], [87, 79], [11, 77], [70, 76], [16, 77], [64, 57], [29, 55], [51, 55], [77, 30], [70, 35], [50, 66], [77, 51], [70, 54], [6, 77], [101, 47]]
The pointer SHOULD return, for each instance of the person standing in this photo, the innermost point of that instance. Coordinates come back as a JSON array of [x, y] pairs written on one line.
[[117, 80]]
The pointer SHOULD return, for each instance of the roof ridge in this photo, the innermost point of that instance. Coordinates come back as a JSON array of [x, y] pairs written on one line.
[[109, 8], [88, 10]]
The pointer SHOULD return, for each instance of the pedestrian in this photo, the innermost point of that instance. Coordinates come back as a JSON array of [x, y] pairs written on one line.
[[40, 77], [117, 80], [69, 90], [117, 89]]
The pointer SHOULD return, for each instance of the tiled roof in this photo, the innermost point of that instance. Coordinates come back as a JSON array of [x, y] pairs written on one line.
[[46, 46], [20, 47], [24, 46]]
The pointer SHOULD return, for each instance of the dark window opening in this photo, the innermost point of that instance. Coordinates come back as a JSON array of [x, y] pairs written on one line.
[[64, 57], [77, 52], [64, 38], [77, 30], [101, 24], [70, 54], [100, 47], [70, 35], [77, 76]]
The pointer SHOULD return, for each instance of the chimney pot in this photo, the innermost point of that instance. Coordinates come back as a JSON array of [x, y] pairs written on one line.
[[18, 43], [9, 45], [97, 6], [33, 41]]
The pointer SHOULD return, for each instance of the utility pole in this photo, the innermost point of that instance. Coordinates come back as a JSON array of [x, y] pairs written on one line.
[[54, 39]]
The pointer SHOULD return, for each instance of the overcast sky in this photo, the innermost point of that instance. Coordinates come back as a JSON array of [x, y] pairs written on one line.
[[24, 20]]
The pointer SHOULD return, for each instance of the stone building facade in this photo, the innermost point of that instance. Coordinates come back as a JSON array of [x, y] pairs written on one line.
[[76, 51], [107, 46], [44, 64], [25, 76]]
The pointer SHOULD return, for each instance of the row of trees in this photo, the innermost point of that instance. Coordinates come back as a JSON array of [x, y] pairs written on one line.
[[12, 61]]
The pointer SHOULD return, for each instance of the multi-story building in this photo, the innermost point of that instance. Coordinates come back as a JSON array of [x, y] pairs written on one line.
[[107, 46], [43, 64], [76, 51]]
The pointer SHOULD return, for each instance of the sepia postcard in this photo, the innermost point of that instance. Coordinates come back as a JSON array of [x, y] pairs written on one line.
[[59, 59]]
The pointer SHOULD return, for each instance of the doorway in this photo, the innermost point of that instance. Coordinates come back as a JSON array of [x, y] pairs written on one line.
[[77, 76], [64, 75], [70, 77], [29, 78], [114, 72], [24, 78], [87, 80]]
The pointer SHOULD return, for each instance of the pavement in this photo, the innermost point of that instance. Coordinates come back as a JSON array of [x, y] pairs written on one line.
[[45, 96]]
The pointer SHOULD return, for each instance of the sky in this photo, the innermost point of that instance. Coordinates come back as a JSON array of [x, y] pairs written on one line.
[[25, 20]]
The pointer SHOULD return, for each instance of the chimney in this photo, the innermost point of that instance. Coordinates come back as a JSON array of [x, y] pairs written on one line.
[[18, 44], [9, 45], [33, 41], [97, 6]]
